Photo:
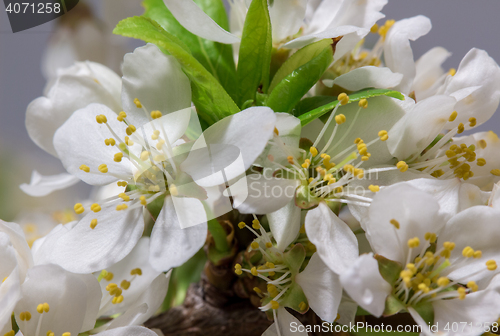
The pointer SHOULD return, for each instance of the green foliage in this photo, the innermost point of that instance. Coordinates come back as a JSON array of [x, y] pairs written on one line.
[[309, 116], [296, 84], [389, 269], [217, 58], [255, 52], [211, 100]]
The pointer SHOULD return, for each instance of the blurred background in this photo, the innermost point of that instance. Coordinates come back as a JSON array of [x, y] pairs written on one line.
[[458, 25]]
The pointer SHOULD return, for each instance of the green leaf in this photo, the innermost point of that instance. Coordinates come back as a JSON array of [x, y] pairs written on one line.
[[181, 278], [255, 52], [211, 100], [311, 103], [307, 117], [426, 311], [295, 85], [389, 269], [217, 58], [393, 306], [298, 59]]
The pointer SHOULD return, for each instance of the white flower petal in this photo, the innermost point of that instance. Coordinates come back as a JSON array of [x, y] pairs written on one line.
[[322, 288], [476, 69], [476, 309], [192, 17], [74, 88], [288, 325], [10, 293], [94, 296], [86, 250], [397, 50], [128, 331], [285, 225], [172, 246], [364, 284], [483, 236], [286, 18], [80, 141], [137, 258], [417, 213], [43, 185], [452, 194], [18, 241], [153, 298], [418, 128], [66, 293], [429, 73], [156, 80], [231, 145], [263, 194], [366, 77], [336, 244], [347, 310], [351, 36], [42, 248]]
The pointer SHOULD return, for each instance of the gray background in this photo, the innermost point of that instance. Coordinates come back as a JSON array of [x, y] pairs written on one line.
[[458, 25]]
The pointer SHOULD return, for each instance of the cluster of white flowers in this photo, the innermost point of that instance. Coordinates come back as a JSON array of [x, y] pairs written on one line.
[[358, 189]]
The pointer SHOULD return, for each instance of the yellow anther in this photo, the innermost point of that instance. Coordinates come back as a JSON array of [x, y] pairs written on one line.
[[111, 286], [103, 168], [274, 304], [101, 119], [452, 72], [79, 209], [468, 252], [256, 224], [359, 173], [491, 265], [339, 189], [453, 116], [254, 272], [374, 29], [272, 290], [402, 166], [431, 237], [383, 135], [269, 245], [343, 98], [495, 172], [156, 114], [241, 225], [306, 164], [39, 308], [340, 119], [482, 143], [477, 254], [124, 197], [449, 246], [423, 287], [93, 223], [95, 207], [481, 162], [349, 168], [290, 159], [144, 155], [125, 284], [118, 157], [85, 168], [66, 334], [276, 131], [160, 144], [313, 151], [443, 281], [121, 116], [143, 200], [10, 333], [128, 142], [395, 223], [130, 129], [50, 333], [109, 277], [472, 121], [363, 103], [449, 153], [136, 271], [27, 316], [137, 103], [302, 306], [413, 242], [257, 290], [472, 285], [461, 128], [117, 299], [254, 245], [461, 293], [120, 207]]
